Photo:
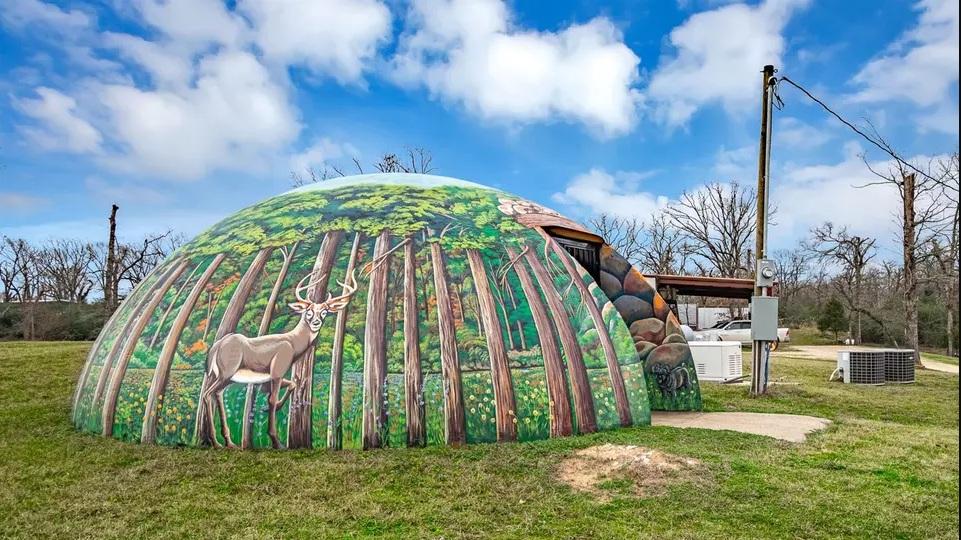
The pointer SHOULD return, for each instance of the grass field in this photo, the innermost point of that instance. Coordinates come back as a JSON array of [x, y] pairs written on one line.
[[953, 360], [887, 468]]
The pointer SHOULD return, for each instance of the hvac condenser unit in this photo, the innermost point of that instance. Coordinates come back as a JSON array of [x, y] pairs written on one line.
[[862, 367], [899, 365], [717, 360]]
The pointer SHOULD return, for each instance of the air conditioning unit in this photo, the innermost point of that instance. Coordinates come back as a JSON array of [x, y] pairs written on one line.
[[862, 367], [899, 365], [717, 360]]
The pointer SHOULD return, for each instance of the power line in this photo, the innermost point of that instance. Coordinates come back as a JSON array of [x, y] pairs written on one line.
[[880, 144]]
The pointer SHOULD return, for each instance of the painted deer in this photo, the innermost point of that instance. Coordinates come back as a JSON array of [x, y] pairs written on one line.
[[265, 360]]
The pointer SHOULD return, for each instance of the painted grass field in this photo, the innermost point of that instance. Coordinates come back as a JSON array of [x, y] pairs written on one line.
[[887, 468]]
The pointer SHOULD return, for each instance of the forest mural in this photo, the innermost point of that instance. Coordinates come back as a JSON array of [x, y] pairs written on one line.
[[391, 310]]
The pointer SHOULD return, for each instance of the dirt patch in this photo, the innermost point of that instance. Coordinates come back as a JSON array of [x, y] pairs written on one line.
[[610, 468]]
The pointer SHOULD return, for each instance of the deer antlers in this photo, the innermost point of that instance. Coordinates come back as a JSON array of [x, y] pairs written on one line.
[[302, 287], [349, 285]]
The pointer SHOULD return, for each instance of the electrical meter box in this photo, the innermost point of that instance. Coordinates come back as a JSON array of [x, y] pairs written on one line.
[[765, 273], [764, 318]]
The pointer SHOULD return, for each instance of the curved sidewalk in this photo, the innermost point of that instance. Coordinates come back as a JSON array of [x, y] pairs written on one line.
[[786, 427]]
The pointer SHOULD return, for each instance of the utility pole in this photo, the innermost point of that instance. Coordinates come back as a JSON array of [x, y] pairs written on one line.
[[763, 306]]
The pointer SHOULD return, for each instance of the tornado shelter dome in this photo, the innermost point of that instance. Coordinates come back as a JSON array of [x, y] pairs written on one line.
[[381, 311]]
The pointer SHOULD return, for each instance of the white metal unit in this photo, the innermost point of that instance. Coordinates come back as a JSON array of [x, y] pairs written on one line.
[[862, 367], [717, 360]]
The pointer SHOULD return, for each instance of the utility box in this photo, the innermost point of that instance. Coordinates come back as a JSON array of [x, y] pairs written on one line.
[[764, 318], [717, 360]]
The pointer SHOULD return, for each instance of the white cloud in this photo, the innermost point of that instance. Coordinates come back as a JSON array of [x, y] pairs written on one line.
[[121, 192], [20, 203], [195, 23], [809, 195], [795, 134], [470, 53], [230, 118], [319, 154], [166, 67], [739, 164], [60, 126], [920, 68], [619, 195], [216, 95], [339, 37], [717, 59], [20, 14]]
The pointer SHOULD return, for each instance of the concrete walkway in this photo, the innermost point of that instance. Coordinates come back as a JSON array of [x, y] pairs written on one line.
[[830, 352], [787, 427]]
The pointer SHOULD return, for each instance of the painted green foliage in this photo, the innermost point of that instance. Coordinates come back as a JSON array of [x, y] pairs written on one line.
[[461, 219]]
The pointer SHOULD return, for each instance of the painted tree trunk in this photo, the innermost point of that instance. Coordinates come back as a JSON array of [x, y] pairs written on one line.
[[247, 435], [300, 413], [561, 424], [85, 374], [335, 430], [120, 369], [374, 419], [121, 338], [520, 326], [580, 385], [228, 325], [613, 367], [425, 290], [507, 324], [170, 307], [413, 375], [161, 373], [455, 433], [504, 406]]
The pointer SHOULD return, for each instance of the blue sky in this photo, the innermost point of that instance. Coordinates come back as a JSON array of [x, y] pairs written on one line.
[[185, 111]]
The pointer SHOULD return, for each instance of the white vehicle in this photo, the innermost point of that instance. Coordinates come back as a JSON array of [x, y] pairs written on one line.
[[738, 330]]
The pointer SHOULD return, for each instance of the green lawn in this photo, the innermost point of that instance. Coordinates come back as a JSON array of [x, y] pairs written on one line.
[[809, 335], [940, 358], [887, 468]]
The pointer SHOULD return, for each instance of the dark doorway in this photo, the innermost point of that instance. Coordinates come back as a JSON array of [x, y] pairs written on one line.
[[585, 253]]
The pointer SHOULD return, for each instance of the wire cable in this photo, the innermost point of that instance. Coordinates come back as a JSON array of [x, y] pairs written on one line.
[[880, 145]]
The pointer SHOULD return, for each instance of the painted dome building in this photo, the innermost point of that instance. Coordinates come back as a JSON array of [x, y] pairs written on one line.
[[386, 310]]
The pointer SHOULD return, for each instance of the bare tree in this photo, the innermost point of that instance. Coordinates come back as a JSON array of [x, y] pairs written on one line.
[[718, 222], [791, 267], [129, 263], [312, 175], [414, 160], [923, 217], [622, 234], [853, 254], [23, 281], [9, 264], [66, 266], [664, 249], [945, 249]]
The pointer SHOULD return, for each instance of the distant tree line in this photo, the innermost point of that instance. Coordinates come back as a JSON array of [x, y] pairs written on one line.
[[66, 288], [911, 301]]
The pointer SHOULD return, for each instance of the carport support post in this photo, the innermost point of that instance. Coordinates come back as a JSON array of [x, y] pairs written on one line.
[[760, 352]]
